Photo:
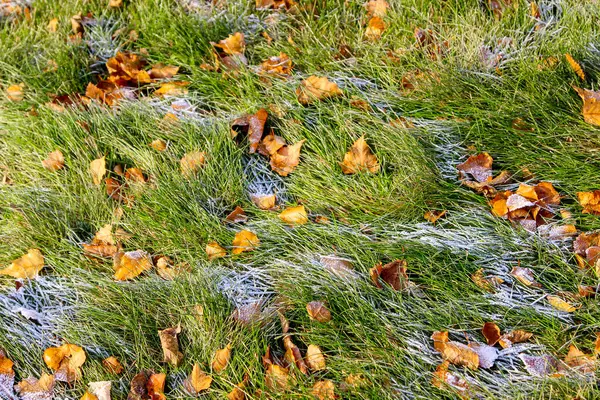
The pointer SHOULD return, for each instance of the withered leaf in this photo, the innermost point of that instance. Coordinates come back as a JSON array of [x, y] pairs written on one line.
[[158, 145], [247, 314], [376, 8], [138, 389], [232, 45], [172, 89], [512, 337], [113, 365], [294, 215], [578, 360], [375, 28], [575, 66], [324, 390], [36, 389], [460, 354], [237, 393], [560, 304], [221, 358], [27, 266], [101, 389], [316, 88], [16, 92], [160, 71], [286, 159], [315, 358], [103, 243], [130, 264], [525, 276], [479, 167], [270, 144], [168, 271], [237, 216], [442, 377], [192, 162], [170, 345], [393, 273], [590, 201], [156, 386], [293, 356], [253, 125], [243, 241], [263, 201], [98, 169], [214, 250], [66, 361], [491, 332], [280, 64], [197, 381], [591, 105], [318, 311], [277, 377], [488, 284], [55, 161], [433, 215], [359, 158]]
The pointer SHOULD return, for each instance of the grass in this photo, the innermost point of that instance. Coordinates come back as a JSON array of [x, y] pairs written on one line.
[[464, 108]]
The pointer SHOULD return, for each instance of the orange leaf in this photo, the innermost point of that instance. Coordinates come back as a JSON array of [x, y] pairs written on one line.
[[286, 159], [130, 264], [158, 145], [245, 241], [376, 8], [98, 169], [314, 358], [580, 361], [525, 276], [316, 88], [591, 105], [280, 64], [264, 202], [590, 201], [324, 390], [434, 215], [156, 386], [234, 44], [214, 250], [479, 167], [192, 162], [198, 381], [277, 378], [575, 66], [375, 28], [113, 365], [27, 266], [359, 158], [66, 360], [393, 273], [54, 161], [317, 311], [491, 332], [221, 359], [31, 388], [294, 215], [16, 92]]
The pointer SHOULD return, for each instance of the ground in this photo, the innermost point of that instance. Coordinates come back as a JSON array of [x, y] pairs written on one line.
[[480, 81]]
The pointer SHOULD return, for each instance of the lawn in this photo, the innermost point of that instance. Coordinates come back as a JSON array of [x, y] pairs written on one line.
[[130, 132]]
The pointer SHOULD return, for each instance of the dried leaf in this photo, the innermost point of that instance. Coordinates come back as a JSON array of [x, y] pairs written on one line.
[[460, 354], [590, 201], [197, 382], [55, 161], [491, 332], [135, 175], [561, 304], [138, 389], [376, 8], [66, 361], [591, 105], [52, 26], [101, 389], [318, 311], [156, 386], [158, 145], [16, 92], [115, 3], [191, 162], [170, 345], [103, 243], [277, 378], [270, 144], [214, 250], [237, 393], [221, 359], [324, 390], [172, 89], [168, 271], [433, 215], [359, 158], [130, 264], [316, 88], [315, 358], [583, 363], [286, 159], [27, 266], [113, 365], [280, 64], [487, 354], [487, 284], [244, 241], [340, 267], [575, 66], [36, 389], [293, 356], [160, 71], [540, 366], [88, 396], [512, 337], [479, 167], [237, 216], [264, 201], [294, 215], [525, 276], [98, 169], [375, 29], [247, 314], [440, 338], [442, 377], [393, 273]]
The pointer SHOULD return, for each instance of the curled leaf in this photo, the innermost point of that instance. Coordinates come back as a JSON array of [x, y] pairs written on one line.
[[393, 273], [36, 389], [286, 159], [156, 386], [590, 201], [359, 158], [525, 276], [170, 345], [591, 105], [560, 304], [317, 311], [263, 201], [491, 332], [197, 381], [324, 390]]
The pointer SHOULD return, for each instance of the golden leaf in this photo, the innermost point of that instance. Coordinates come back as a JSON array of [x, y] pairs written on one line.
[[491, 332], [314, 358], [294, 215], [575, 66], [42, 389], [270, 144], [172, 89], [591, 105], [113, 365], [160, 71], [433, 215], [156, 386], [158, 145], [221, 359], [198, 381], [580, 361], [237, 393], [264, 201], [88, 396], [590, 201], [512, 337], [168, 271], [170, 345], [359, 158], [277, 378], [561, 304], [316, 88], [54, 161], [234, 44], [286, 159], [103, 243], [52, 25], [6, 365], [375, 28], [100, 389], [317, 311], [376, 8], [66, 360], [597, 344], [442, 377], [16, 92], [440, 338], [130, 264], [488, 284], [460, 354], [214, 250], [27, 266], [245, 241], [98, 169], [324, 390], [191, 162], [116, 4], [135, 175], [280, 64], [525, 276]]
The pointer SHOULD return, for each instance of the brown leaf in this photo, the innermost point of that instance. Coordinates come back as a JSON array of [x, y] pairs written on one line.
[[156, 386], [244, 241], [214, 250], [138, 388], [575, 66], [130, 264], [36, 389], [221, 359], [293, 356], [591, 105], [315, 358], [197, 382], [338, 266], [294, 215], [488, 284], [590, 201], [191, 162], [66, 361], [170, 345], [393, 273], [52, 26], [103, 243], [27, 266], [277, 377], [263, 201], [247, 314], [160, 71], [512, 337], [442, 377], [525, 276], [286, 159], [479, 167], [433, 215], [55, 161], [98, 169], [460, 354], [253, 125], [237, 216], [324, 390], [168, 271], [318, 311], [316, 88], [359, 158], [270, 144], [237, 393], [172, 89], [491, 332], [583, 363], [113, 365], [135, 175]]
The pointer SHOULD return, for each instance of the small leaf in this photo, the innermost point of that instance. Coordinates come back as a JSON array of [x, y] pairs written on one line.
[[359, 158], [130, 264], [158, 145], [583, 363], [277, 378], [113, 365], [512, 337], [286, 159], [317, 311], [294, 215], [491, 332], [197, 382], [314, 358], [316, 88], [156, 386], [575, 66], [36, 389], [55, 161], [245, 241], [590, 201], [16, 92], [324, 390], [214, 250], [376, 8], [234, 44], [264, 202], [221, 359], [525, 276], [237, 216], [433, 215], [170, 345], [98, 169], [561, 304], [27, 266], [191, 162], [393, 273], [375, 29], [591, 105], [479, 167]]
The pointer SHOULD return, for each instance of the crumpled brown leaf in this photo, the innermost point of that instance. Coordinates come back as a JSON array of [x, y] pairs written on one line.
[[393, 273], [590, 201], [277, 377], [113, 365], [237, 393], [253, 125], [130, 264], [55, 161], [491, 332], [156, 386], [66, 361], [286, 159], [27, 266], [324, 390], [293, 356], [138, 389], [359, 158], [103, 243], [376, 8], [318, 311], [316, 88], [578, 360], [281, 65], [197, 381], [375, 28], [525, 276], [191, 162], [587, 250], [237, 216], [170, 345], [512, 337]]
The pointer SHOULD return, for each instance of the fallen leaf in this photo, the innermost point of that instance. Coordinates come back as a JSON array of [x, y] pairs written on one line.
[[294, 215], [561, 304], [98, 169], [234, 44], [244, 241], [393, 273], [597, 344], [214, 250], [221, 359], [575, 66], [487, 284], [460, 354], [512, 337], [6, 365], [376, 8], [66, 361], [280, 64], [168, 271], [578, 360], [197, 382], [237, 393], [591, 105], [160, 71], [486, 354], [135, 175], [318, 311], [525, 276], [293, 356], [433, 215], [191, 162], [270, 144], [170, 345], [138, 388], [253, 125], [113, 365], [540, 366], [101, 389], [338, 266], [442, 377], [286, 159], [590, 201], [316, 88], [324, 390], [130, 264], [263, 201], [16, 92], [158, 145], [375, 28], [88, 396], [172, 89], [52, 26], [103, 243], [27, 266], [359, 158], [479, 167], [247, 314], [440, 338], [315, 358], [36, 389], [277, 377], [156, 386], [116, 4], [491, 332], [55, 161]]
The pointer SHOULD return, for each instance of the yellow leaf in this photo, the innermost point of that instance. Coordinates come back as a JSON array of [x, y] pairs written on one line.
[[115, 4], [238, 391], [191, 162], [214, 250], [580, 361], [172, 89], [316, 88], [324, 390], [54, 161], [245, 241], [525, 276], [294, 215], [88, 396], [98, 169], [264, 201], [280, 64], [158, 145], [221, 359], [591, 105], [15, 92], [113, 365], [561, 304], [170, 345], [6, 365], [130, 264], [233, 44], [66, 360], [160, 71], [375, 28], [359, 158], [26, 266], [314, 358], [277, 378], [376, 8], [460, 354], [198, 381], [575, 66], [433, 215], [286, 159], [590, 201], [32, 388], [512, 337]]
